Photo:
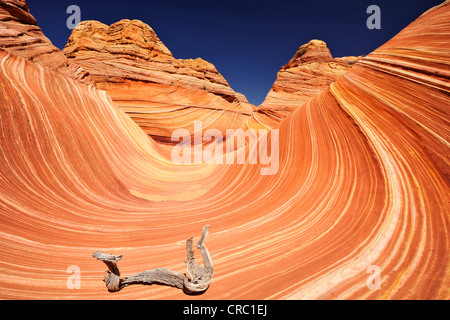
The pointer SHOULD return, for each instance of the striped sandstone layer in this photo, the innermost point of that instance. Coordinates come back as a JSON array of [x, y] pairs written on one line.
[[363, 180]]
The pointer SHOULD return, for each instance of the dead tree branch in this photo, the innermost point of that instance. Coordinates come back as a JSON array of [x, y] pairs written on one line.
[[199, 281]]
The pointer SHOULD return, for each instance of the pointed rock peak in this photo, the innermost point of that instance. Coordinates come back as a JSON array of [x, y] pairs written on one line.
[[198, 64], [313, 51]]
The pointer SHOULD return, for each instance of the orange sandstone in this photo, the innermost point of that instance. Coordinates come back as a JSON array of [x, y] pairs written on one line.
[[363, 180]]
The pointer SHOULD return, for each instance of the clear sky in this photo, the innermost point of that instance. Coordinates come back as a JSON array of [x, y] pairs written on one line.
[[247, 41]]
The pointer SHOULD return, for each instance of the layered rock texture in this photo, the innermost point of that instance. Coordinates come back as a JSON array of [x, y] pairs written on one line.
[[308, 73], [363, 181], [19, 34], [159, 92]]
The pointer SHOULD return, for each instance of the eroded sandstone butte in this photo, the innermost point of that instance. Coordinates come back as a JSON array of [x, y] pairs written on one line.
[[310, 71], [161, 93], [363, 181]]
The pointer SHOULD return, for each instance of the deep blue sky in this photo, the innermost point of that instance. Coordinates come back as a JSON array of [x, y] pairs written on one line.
[[247, 41]]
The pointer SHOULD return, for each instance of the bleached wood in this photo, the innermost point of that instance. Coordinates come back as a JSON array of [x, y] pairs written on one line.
[[199, 281]]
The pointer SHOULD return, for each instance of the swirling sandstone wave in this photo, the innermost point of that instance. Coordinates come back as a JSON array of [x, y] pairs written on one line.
[[363, 180]]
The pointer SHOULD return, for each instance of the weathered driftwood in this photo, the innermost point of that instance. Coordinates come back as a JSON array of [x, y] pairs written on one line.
[[199, 281]]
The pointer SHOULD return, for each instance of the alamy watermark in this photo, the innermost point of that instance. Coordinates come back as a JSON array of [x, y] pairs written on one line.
[[74, 280], [212, 148], [374, 20], [374, 280], [74, 18]]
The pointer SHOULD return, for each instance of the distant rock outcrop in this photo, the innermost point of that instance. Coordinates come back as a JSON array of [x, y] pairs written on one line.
[[161, 93]]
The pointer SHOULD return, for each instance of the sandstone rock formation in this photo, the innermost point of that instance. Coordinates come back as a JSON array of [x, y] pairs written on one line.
[[363, 181], [159, 92], [308, 73], [19, 34]]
